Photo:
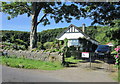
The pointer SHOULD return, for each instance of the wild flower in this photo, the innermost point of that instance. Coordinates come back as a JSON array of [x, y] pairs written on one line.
[[117, 49], [117, 57]]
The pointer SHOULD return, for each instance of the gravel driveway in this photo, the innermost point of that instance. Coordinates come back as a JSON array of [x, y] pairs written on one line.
[[73, 74]]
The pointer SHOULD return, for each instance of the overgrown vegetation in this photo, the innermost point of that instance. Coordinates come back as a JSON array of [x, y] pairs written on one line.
[[30, 64]]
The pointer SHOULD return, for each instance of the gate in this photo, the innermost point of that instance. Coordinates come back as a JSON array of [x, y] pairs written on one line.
[[93, 62]]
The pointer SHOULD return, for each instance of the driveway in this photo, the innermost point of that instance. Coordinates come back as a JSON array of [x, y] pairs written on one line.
[[74, 74]]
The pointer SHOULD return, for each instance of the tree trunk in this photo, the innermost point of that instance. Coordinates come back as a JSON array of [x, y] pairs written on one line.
[[63, 59], [33, 33]]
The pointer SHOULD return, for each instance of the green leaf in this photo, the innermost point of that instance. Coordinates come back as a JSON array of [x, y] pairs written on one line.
[[8, 17]]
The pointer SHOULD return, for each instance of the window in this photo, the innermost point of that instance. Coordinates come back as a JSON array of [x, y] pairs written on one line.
[[73, 42]]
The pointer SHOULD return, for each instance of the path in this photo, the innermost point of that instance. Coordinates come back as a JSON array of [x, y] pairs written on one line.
[[65, 75]]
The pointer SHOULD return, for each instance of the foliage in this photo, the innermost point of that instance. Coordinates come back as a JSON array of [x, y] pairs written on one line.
[[102, 34], [13, 46], [105, 34], [61, 11], [30, 64], [86, 45], [114, 52], [48, 45], [9, 35], [65, 42], [102, 13], [117, 57], [113, 33], [49, 35], [54, 50], [39, 45]]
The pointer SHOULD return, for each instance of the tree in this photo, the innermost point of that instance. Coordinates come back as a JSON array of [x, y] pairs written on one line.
[[33, 9], [103, 13], [59, 11]]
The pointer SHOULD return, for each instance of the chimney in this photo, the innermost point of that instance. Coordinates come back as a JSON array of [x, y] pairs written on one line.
[[83, 27]]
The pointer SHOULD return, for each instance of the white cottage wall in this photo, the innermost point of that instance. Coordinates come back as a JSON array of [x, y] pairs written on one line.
[[71, 36]]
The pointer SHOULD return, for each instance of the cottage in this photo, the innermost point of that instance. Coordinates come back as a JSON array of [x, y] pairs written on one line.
[[73, 34]]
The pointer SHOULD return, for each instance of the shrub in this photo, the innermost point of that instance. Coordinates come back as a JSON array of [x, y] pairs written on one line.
[[22, 47], [39, 45], [21, 42], [48, 45], [33, 50], [54, 50]]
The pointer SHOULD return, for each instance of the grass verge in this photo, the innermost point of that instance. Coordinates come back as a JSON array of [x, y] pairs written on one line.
[[119, 74], [30, 64], [71, 59]]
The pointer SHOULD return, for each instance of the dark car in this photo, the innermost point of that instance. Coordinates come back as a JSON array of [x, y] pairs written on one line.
[[102, 50]]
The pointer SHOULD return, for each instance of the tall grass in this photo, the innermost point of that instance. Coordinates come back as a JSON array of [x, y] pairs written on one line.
[[30, 64]]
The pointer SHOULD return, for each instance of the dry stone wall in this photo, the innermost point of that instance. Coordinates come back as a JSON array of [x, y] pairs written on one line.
[[44, 56]]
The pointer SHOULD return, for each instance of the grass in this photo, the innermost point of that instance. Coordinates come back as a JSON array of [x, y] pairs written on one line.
[[115, 75], [0, 60], [119, 73], [71, 59], [30, 64]]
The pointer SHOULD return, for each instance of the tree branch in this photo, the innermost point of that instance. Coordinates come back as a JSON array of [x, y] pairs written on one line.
[[41, 19], [26, 7]]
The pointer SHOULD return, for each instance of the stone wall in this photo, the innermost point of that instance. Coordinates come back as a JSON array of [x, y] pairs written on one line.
[[44, 56]]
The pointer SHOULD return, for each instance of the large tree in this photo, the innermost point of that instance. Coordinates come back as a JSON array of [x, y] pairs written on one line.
[[102, 13], [33, 9]]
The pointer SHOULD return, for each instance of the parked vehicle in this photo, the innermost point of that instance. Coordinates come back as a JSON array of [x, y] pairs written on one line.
[[102, 50]]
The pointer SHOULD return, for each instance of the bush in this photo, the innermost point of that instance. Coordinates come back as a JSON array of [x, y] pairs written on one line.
[[34, 50], [21, 42], [48, 45], [114, 52], [39, 45], [54, 50]]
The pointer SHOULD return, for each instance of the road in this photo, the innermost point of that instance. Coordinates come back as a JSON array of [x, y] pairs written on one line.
[[65, 75], [24, 75]]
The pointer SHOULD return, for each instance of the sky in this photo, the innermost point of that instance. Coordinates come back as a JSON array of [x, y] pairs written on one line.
[[23, 23]]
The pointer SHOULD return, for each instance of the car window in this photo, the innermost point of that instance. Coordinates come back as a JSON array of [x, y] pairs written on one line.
[[103, 47]]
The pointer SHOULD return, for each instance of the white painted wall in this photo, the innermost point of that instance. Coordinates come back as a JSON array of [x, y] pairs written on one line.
[[76, 30], [71, 36], [72, 29]]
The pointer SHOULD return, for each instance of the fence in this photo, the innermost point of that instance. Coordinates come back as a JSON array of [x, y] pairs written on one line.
[[106, 63]]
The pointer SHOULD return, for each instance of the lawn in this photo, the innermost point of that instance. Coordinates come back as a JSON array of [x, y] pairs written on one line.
[[71, 59], [29, 63]]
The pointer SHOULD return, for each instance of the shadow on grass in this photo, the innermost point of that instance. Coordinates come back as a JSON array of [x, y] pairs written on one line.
[[97, 68], [70, 64], [86, 61]]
